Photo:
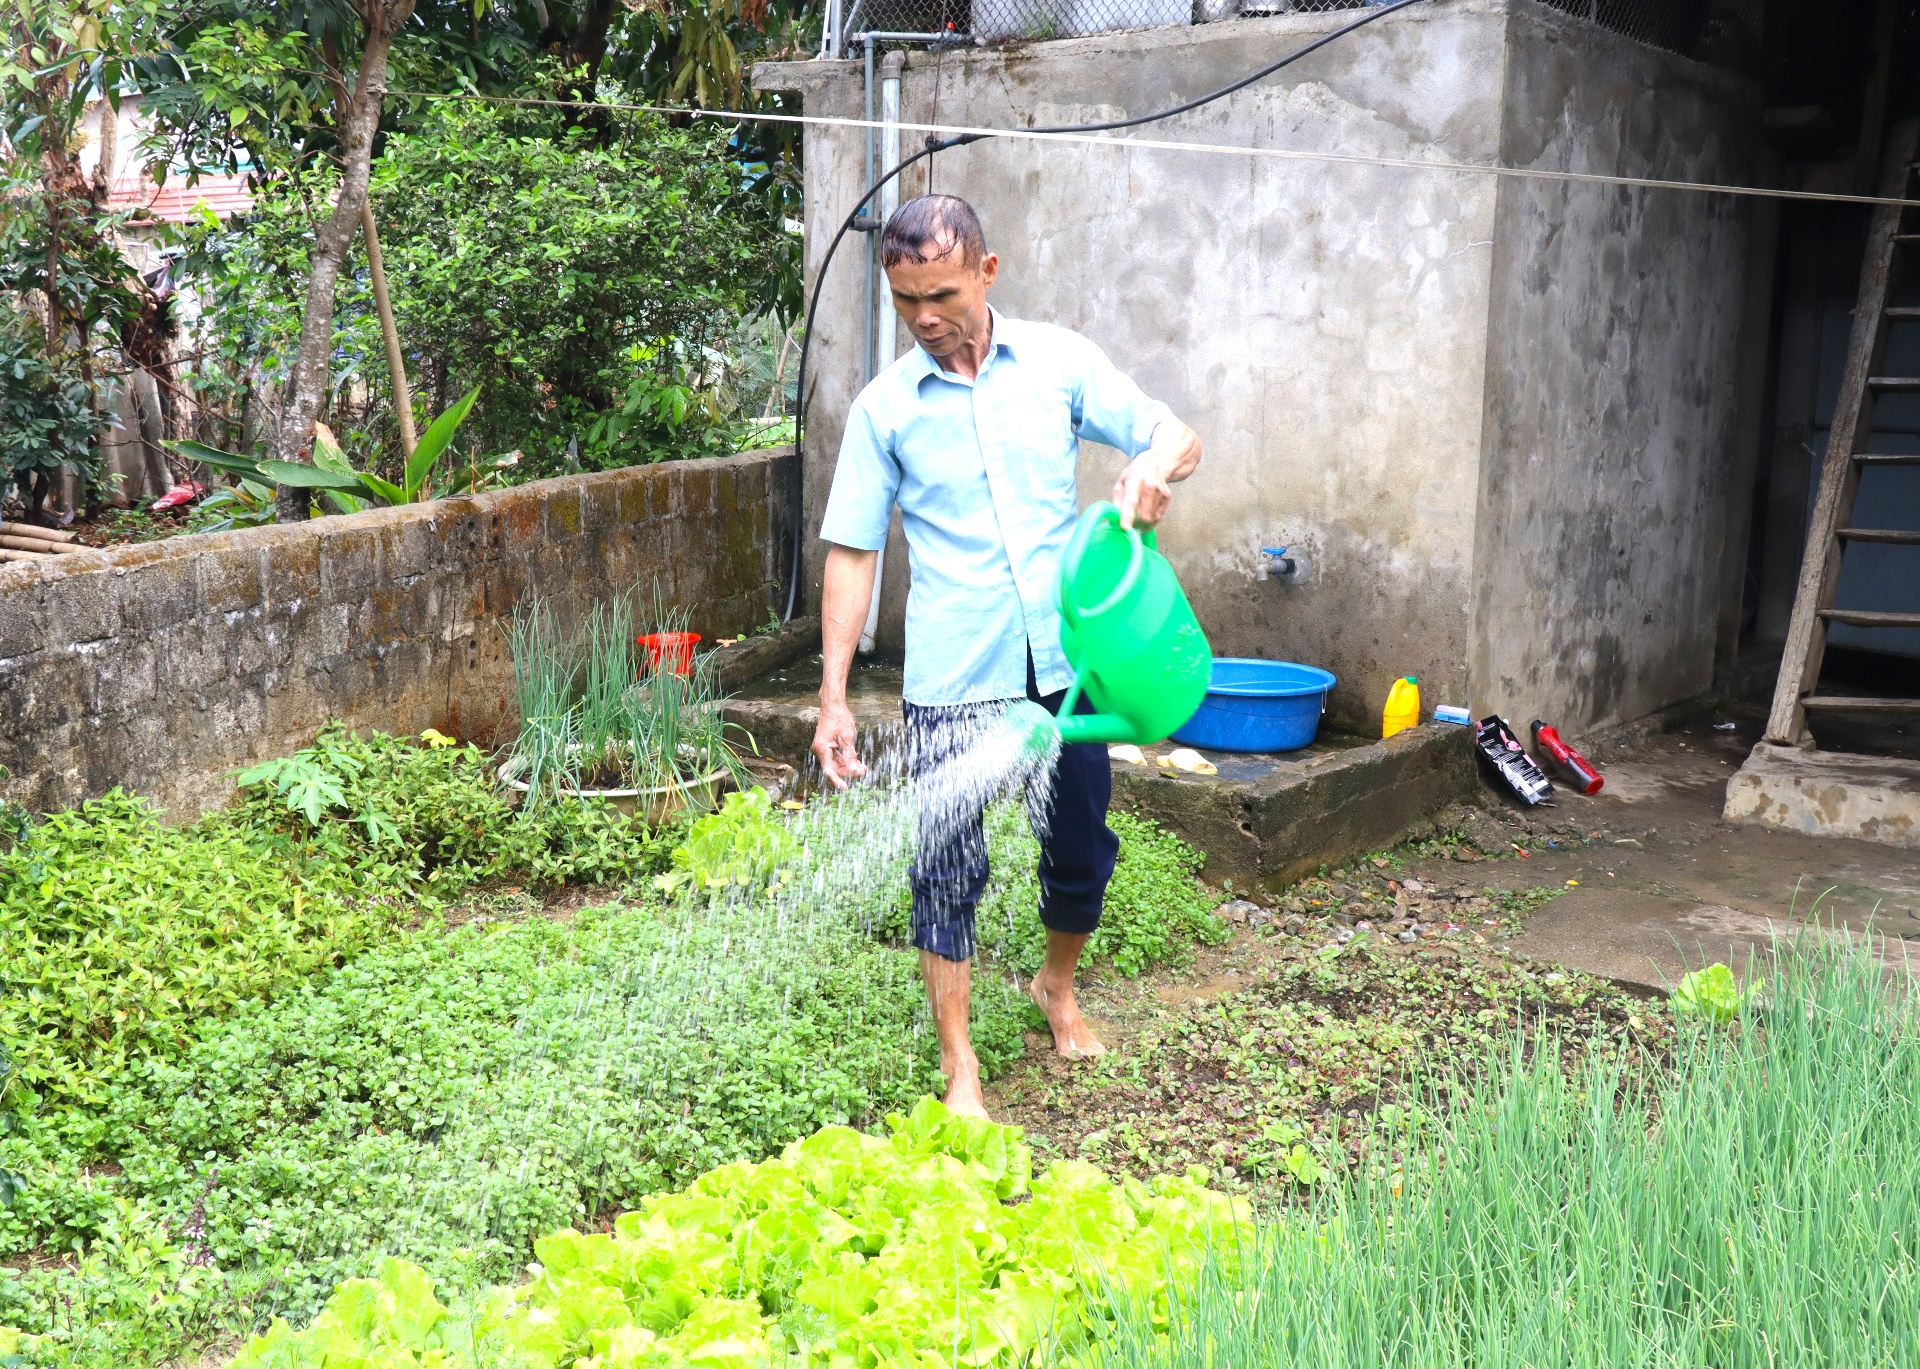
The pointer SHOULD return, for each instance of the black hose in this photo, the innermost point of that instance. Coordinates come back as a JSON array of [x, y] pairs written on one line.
[[961, 140]]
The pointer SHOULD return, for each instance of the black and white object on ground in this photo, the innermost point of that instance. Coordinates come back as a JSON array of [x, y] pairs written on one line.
[[1500, 748]]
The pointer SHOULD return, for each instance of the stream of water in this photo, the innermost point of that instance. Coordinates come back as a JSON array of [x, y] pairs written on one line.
[[715, 974]]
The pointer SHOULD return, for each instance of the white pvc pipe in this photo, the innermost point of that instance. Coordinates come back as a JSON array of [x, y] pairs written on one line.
[[885, 339]]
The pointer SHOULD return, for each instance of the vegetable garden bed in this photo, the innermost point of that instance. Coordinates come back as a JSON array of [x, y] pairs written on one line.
[[367, 1023], [367, 1010]]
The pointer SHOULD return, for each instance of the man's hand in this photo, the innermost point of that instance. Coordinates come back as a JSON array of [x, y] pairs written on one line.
[[847, 588], [1143, 490], [833, 745]]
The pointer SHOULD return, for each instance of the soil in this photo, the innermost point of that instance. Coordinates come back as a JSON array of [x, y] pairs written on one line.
[[1305, 1042], [516, 903], [1321, 1024]]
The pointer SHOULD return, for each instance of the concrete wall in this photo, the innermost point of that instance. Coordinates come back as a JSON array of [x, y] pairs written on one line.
[[1380, 361], [1614, 337], [1321, 326], [162, 667]]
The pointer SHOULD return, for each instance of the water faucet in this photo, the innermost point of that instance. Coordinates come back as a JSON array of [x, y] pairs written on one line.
[[1275, 561]]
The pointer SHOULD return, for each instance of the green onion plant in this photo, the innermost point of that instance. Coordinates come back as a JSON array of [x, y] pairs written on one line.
[[1755, 1204], [594, 713]]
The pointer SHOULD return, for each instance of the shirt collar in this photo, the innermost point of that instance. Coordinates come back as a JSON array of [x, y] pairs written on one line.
[[1006, 336]]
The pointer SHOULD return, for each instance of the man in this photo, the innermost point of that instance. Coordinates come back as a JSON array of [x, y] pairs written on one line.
[[974, 434]]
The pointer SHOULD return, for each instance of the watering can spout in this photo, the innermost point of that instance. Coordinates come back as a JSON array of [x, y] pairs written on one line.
[[1107, 728], [1040, 731]]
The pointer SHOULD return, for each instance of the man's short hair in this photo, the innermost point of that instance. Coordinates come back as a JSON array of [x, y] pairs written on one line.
[[928, 228]]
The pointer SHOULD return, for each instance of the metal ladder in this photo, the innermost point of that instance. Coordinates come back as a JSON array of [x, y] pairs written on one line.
[[1893, 255]]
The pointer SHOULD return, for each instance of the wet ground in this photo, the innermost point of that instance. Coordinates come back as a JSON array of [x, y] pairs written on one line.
[[873, 687], [1673, 884]]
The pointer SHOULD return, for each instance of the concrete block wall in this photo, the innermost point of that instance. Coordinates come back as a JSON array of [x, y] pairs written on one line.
[[1496, 416], [162, 667]]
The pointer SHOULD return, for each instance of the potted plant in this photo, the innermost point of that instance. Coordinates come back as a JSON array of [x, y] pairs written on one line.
[[602, 716]]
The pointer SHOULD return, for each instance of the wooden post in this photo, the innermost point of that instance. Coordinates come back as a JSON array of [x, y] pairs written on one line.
[[396, 363]]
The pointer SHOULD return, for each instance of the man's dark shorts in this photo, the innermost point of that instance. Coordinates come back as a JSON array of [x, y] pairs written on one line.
[[1077, 849]]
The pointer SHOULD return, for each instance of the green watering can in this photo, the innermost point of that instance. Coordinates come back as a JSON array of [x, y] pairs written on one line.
[[1130, 635]]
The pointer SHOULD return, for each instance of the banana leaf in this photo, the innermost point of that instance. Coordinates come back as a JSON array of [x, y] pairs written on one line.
[[307, 477]]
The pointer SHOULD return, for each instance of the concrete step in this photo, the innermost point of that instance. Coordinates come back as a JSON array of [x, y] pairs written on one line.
[[1270, 820], [763, 652], [1828, 794]]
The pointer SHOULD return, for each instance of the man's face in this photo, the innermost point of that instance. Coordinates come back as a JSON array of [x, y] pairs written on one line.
[[944, 301]]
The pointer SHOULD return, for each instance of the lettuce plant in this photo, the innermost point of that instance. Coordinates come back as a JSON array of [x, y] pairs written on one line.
[[1712, 994], [744, 846], [932, 1247]]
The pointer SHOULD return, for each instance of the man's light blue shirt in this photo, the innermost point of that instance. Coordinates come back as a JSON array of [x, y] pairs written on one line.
[[983, 472]]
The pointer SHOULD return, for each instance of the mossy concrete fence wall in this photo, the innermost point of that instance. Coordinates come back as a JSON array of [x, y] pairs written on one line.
[[162, 667]]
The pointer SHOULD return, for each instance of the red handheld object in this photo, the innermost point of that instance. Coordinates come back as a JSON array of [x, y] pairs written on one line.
[[1578, 768]]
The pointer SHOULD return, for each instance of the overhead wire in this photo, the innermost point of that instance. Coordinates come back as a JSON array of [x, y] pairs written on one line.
[[984, 133]]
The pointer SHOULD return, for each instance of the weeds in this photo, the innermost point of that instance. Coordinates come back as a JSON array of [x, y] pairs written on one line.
[[118, 935], [1322, 1056], [121, 937], [1155, 911]]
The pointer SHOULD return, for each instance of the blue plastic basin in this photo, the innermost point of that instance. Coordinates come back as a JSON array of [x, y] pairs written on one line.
[[1258, 706]]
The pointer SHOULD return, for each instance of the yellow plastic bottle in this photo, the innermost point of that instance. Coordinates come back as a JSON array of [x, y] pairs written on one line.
[[1403, 706]]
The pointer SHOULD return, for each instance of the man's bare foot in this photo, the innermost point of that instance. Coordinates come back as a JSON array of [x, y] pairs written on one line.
[[964, 1097], [1072, 1037]]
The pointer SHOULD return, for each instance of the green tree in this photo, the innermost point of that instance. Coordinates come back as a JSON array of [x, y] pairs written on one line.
[[58, 261], [579, 279], [298, 90], [552, 265]]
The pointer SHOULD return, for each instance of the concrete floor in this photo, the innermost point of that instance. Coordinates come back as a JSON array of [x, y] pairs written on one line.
[[1670, 885]]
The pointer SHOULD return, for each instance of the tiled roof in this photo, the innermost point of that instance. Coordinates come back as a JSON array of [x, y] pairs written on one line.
[[176, 200]]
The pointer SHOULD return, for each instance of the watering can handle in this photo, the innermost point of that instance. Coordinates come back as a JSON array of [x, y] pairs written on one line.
[[1093, 517]]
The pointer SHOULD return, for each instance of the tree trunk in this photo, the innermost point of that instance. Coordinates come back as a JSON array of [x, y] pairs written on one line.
[[307, 385], [109, 144], [56, 331], [588, 44]]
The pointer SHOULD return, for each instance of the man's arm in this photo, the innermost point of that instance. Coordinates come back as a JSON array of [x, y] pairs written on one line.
[[1142, 492], [847, 590]]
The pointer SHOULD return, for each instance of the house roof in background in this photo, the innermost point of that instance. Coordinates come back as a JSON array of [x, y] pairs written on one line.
[[176, 200]]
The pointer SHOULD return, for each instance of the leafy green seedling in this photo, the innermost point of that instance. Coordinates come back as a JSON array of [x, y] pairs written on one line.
[[1302, 1164], [1711, 993], [308, 786], [1335, 951], [744, 846]]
